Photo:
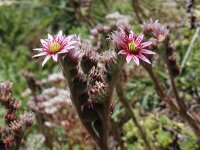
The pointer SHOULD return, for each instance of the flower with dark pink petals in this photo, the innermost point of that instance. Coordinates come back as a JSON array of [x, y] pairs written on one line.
[[53, 46], [132, 46]]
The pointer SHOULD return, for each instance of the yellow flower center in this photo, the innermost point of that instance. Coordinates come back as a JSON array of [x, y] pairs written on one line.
[[161, 38], [55, 47], [132, 47]]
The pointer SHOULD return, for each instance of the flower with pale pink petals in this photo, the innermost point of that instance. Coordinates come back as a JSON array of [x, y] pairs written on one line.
[[161, 32], [132, 46], [53, 46], [149, 26]]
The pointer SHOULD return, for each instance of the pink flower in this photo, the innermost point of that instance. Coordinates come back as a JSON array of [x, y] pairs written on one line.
[[132, 46], [53, 46], [160, 32], [149, 26]]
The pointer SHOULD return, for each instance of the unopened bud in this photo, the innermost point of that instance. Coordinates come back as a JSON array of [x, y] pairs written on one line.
[[94, 32], [149, 26], [14, 105], [10, 117], [71, 59], [160, 33], [172, 60], [89, 59], [99, 92], [100, 27], [27, 119], [111, 65], [169, 49], [15, 126], [176, 71], [95, 75], [80, 83], [5, 92], [9, 141]]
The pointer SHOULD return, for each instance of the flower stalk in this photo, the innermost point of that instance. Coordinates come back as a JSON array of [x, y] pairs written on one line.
[[180, 102]]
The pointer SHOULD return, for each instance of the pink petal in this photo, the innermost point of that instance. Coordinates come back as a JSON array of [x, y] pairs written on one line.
[[72, 42], [145, 51], [136, 60], [38, 49], [139, 39], [68, 47], [46, 59], [59, 35], [69, 37], [122, 31], [131, 35], [145, 44], [128, 58], [144, 58], [44, 43], [63, 51], [50, 37], [123, 52], [55, 57], [40, 54]]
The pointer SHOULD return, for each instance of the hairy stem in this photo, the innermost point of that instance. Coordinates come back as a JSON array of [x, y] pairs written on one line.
[[183, 109], [74, 97], [159, 88]]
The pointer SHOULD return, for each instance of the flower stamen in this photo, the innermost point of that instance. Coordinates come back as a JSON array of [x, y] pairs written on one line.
[[55, 47], [132, 47]]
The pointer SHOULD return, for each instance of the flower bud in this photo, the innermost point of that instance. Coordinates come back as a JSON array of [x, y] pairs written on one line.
[[9, 141], [95, 75], [169, 49], [160, 32], [107, 28], [111, 65], [27, 119], [98, 92], [71, 59], [5, 92], [14, 105], [10, 117], [16, 126], [89, 59], [149, 26], [94, 32], [79, 83], [100, 28], [172, 60], [176, 71]]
